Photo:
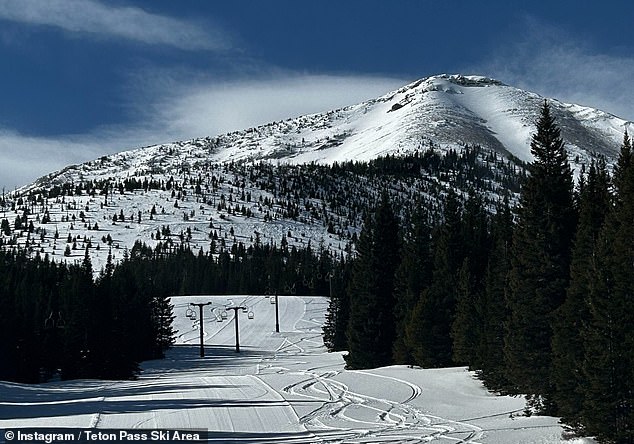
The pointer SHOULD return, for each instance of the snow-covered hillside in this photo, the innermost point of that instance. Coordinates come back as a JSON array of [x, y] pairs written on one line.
[[213, 188], [447, 110], [282, 388]]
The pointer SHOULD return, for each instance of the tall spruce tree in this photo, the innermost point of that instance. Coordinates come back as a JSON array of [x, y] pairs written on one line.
[[467, 326], [338, 314], [608, 340], [371, 329], [412, 276], [539, 274], [573, 315], [493, 307], [429, 327]]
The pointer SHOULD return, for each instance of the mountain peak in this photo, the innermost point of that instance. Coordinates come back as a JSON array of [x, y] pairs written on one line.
[[434, 115], [463, 80], [441, 81]]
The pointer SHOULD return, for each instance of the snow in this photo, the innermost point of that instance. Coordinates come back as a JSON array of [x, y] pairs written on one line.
[[446, 111], [282, 387]]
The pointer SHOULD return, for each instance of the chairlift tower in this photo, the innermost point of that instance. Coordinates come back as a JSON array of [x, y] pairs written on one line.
[[250, 315], [200, 324]]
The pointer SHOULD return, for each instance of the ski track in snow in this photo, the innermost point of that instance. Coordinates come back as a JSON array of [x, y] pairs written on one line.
[[283, 388]]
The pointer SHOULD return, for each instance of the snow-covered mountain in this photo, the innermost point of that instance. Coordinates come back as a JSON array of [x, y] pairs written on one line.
[[217, 184], [446, 110]]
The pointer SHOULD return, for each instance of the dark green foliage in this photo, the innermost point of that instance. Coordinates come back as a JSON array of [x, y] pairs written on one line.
[[573, 315], [371, 330], [467, 324], [338, 314], [57, 319], [492, 308], [412, 276], [540, 264], [429, 327], [607, 384]]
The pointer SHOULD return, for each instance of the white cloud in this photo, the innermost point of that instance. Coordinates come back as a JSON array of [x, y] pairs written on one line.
[[93, 17], [556, 64], [212, 108], [169, 112]]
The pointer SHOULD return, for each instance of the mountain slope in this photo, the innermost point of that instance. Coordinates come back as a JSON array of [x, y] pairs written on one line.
[[446, 111], [213, 192]]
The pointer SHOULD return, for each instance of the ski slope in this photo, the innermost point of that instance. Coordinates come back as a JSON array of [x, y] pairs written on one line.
[[281, 388]]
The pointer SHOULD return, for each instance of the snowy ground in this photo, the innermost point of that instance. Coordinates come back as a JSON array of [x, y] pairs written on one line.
[[282, 388]]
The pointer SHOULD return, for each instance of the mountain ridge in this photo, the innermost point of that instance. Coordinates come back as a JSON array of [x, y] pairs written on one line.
[[447, 111], [203, 189]]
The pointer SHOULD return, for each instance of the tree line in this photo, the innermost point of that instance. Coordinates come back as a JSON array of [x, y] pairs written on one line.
[[58, 321], [538, 300]]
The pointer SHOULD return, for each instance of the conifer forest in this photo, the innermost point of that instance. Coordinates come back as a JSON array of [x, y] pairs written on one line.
[[524, 274]]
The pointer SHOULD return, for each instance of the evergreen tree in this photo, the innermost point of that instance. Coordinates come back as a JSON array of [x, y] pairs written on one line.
[[540, 264], [338, 314], [371, 329], [573, 315], [467, 326], [623, 165], [430, 324], [412, 276], [493, 308], [608, 365]]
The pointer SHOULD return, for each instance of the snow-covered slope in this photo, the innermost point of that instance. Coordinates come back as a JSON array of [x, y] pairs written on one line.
[[213, 185], [448, 111], [282, 388]]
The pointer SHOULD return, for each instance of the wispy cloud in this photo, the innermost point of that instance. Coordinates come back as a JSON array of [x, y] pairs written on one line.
[[557, 64], [170, 110], [213, 108], [99, 19]]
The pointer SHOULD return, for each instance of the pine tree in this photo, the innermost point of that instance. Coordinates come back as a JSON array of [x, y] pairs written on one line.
[[338, 314], [493, 308], [428, 330], [466, 329], [412, 276], [573, 315], [371, 329], [540, 264], [608, 365]]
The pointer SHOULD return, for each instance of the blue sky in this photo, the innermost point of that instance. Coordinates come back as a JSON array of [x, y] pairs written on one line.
[[83, 78]]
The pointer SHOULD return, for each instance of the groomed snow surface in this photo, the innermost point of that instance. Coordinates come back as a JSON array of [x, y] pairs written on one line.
[[281, 388]]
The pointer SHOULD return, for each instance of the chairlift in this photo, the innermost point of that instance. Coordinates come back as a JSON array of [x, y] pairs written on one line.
[[251, 315], [49, 322], [193, 316], [305, 282], [272, 299], [245, 309], [189, 313], [224, 315], [61, 323]]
